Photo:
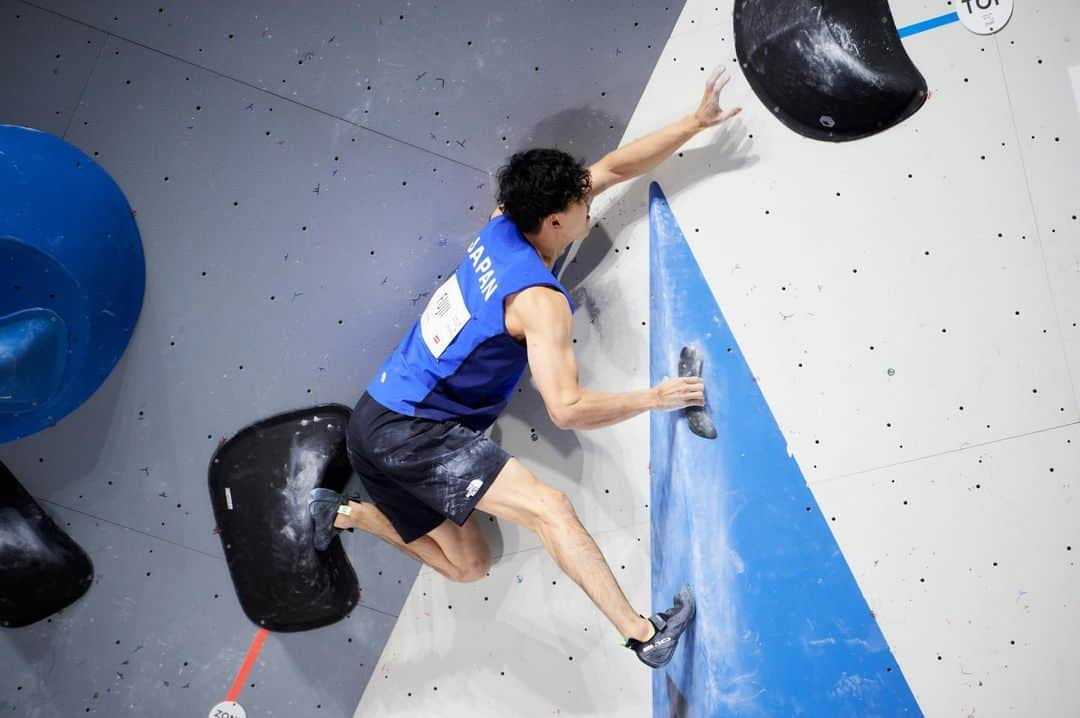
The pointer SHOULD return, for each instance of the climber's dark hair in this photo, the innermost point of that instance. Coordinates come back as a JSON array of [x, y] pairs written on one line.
[[539, 182]]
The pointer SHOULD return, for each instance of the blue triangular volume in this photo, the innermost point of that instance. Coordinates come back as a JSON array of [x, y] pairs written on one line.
[[782, 628]]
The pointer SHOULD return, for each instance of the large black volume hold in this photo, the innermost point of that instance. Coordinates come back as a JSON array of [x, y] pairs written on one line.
[[259, 483], [42, 569], [831, 70]]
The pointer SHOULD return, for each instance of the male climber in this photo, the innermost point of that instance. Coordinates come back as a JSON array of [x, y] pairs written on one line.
[[416, 437]]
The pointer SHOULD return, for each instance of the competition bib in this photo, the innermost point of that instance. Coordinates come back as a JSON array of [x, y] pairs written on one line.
[[444, 316]]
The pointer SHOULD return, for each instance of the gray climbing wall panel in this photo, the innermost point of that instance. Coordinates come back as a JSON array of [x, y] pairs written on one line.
[[301, 176]]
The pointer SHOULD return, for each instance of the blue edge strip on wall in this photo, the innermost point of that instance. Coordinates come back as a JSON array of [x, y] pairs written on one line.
[[929, 24], [782, 627]]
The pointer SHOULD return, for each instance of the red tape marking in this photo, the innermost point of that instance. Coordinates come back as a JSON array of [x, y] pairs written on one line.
[[249, 661]]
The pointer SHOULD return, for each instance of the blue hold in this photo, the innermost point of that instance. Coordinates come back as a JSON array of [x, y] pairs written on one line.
[[72, 279], [34, 346]]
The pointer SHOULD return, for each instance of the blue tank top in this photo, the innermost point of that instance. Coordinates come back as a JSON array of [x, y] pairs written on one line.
[[458, 361]]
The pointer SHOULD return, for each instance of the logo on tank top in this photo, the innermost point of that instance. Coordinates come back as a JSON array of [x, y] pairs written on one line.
[[485, 273]]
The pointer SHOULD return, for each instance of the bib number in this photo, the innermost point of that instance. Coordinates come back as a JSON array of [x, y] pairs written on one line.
[[444, 317]]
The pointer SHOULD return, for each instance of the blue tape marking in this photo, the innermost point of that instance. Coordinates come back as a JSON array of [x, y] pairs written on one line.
[[929, 24], [782, 628]]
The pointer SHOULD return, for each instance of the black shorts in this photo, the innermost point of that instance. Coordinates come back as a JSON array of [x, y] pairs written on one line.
[[420, 472]]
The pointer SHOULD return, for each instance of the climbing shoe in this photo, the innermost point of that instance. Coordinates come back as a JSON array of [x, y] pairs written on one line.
[[323, 506], [669, 625]]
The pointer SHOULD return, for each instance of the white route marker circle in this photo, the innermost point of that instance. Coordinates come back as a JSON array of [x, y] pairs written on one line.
[[228, 709], [984, 17]]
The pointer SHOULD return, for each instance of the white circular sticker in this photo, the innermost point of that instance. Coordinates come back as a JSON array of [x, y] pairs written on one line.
[[984, 17], [228, 709]]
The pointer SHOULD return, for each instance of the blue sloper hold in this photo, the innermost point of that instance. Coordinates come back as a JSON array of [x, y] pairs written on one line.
[[33, 356], [782, 628], [828, 69], [72, 254]]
